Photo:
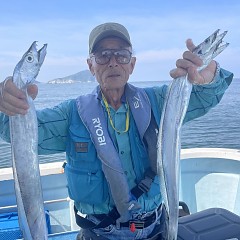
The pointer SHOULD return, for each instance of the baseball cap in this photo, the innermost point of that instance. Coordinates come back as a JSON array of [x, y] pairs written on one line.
[[109, 29]]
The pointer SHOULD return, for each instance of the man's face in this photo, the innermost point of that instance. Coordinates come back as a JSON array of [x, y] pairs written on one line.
[[111, 75]]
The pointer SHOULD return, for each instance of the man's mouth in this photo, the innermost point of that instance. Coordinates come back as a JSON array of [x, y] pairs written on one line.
[[114, 75]]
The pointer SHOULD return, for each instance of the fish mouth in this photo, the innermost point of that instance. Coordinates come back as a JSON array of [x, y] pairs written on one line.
[[41, 53]]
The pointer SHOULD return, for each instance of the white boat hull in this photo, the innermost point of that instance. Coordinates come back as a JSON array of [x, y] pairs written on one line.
[[210, 178]]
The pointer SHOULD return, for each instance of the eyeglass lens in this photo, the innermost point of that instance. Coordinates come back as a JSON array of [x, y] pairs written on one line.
[[122, 56]]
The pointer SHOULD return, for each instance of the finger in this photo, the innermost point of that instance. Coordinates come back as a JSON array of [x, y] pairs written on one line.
[[12, 96], [5, 111], [190, 45], [9, 87], [11, 110], [8, 112], [2, 86], [184, 63], [11, 101], [178, 72], [32, 90], [193, 58]]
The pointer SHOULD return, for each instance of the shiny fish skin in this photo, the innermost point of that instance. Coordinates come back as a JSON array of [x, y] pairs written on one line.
[[24, 142], [169, 141]]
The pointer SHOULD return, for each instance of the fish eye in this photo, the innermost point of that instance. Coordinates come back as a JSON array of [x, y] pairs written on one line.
[[29, 58]]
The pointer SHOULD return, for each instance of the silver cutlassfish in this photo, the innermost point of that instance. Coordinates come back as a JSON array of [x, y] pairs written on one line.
[[24, 141], [169, 144]]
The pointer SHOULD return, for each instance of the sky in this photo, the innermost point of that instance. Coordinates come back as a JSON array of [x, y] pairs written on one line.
[[158, 31]]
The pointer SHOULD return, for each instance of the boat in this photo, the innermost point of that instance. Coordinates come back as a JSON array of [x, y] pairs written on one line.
[[210, 178], [210, 188]]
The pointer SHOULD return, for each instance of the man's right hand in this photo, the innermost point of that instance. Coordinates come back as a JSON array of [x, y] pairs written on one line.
[[13, 100]]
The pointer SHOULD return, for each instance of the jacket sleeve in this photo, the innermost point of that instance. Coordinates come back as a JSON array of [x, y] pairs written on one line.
[[52, 128], [203, 97]]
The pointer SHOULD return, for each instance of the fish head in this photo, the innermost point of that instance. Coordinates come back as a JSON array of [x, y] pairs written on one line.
[[29, 66]]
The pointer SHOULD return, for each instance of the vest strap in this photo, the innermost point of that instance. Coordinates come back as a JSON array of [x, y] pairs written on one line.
[[144, 185], [110, 218]]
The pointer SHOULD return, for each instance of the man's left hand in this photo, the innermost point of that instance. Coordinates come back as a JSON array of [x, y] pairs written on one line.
[[189, 64]]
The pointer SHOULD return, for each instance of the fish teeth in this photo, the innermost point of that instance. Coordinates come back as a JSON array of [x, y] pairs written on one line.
[[212, 42], [211, 47]]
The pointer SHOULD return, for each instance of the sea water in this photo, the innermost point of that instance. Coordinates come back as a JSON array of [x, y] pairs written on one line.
[[219, 128]]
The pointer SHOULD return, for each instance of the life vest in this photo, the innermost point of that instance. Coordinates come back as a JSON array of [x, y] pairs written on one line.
[[93, 163]]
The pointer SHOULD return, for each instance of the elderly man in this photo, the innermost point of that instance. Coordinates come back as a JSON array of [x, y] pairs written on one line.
[[108, 136]]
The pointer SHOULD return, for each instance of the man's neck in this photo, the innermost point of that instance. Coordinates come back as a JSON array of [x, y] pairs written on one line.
[[113, 97]]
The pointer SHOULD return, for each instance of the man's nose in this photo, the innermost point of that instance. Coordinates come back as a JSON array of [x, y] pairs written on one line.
[[113, 62]]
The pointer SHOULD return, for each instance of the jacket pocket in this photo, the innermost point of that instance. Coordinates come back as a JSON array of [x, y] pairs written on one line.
[[81, 150], [86, 186]]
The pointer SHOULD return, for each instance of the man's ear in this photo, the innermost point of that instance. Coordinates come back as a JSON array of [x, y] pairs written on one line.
[[90, 66]]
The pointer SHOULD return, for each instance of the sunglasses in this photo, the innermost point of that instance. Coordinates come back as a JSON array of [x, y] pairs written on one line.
[[122, 56]]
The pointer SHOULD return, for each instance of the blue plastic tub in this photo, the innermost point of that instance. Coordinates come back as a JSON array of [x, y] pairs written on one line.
[[9, 226]]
